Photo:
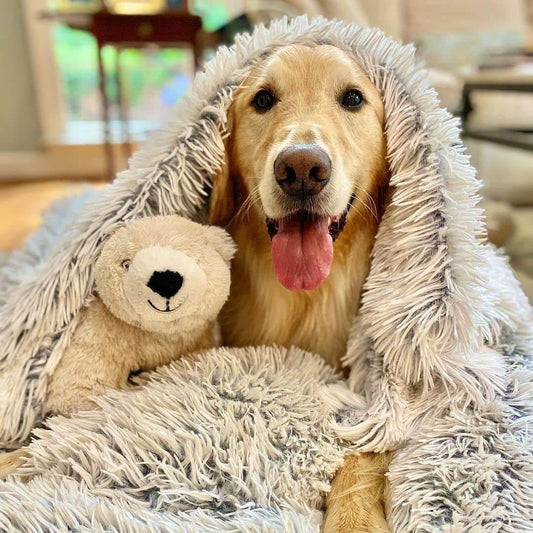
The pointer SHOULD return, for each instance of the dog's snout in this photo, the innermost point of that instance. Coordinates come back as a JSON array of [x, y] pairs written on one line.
[[302, 169], [166, 283]]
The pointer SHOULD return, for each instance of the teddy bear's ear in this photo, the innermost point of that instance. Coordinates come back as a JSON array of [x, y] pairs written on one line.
[[222, 242]]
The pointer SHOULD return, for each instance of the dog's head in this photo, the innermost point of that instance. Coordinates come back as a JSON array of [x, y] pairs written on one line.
[[306, 144]]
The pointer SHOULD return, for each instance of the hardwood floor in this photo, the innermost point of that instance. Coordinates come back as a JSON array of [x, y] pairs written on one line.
[[22, 205]]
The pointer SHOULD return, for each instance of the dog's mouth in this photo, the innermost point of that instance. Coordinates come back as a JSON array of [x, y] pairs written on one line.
[[302, 247], [167, 307]]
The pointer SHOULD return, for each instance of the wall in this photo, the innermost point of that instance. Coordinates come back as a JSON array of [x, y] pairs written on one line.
[[19, 122]]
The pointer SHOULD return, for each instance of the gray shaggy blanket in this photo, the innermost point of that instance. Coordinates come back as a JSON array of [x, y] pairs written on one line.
[[440, 351], [227, 440]]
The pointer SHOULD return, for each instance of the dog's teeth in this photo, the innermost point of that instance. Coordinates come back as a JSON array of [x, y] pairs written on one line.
[[329, 221]]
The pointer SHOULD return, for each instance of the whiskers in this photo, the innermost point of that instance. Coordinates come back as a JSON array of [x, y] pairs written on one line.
[[369, 205], [361, 196], [252, 199]]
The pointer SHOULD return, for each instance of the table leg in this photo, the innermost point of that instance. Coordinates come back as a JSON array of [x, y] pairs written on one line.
[[110, 164], [122, 106], [197, 50]]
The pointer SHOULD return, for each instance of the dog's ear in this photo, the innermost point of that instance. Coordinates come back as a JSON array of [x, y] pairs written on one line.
[[223, 201]]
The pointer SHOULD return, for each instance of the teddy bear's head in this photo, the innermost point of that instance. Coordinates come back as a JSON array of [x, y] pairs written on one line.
[[165, 274]]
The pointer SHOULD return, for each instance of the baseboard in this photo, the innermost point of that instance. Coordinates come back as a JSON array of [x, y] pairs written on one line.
[[59, 162]]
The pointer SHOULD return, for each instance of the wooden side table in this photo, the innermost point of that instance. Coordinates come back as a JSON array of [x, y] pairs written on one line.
[[171, 29]]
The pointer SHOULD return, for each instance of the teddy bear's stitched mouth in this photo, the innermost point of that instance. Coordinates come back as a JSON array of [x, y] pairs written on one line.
[[167, 308]]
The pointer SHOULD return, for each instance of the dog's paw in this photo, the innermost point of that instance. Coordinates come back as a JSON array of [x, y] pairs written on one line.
[[356, 502]]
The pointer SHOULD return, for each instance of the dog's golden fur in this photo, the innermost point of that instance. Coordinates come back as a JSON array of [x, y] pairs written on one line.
[[358, 497], [306, 82]]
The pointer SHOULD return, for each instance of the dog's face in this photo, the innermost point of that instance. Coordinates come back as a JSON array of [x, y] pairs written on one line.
[[307, 143]]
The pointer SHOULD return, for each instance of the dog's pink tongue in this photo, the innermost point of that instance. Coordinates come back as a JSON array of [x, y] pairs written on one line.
[[302, 253]]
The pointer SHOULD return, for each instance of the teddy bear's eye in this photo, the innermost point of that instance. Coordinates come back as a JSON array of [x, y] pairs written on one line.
[[126, 264]]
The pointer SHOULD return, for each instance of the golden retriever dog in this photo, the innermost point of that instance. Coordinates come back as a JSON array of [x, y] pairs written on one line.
[[302, 192]]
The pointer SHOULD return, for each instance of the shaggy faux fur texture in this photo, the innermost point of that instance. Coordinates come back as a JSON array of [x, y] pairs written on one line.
[[228, 440], [442, 345]]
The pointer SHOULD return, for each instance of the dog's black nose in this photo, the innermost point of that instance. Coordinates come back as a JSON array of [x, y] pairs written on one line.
[[166, 283], [302, 169]]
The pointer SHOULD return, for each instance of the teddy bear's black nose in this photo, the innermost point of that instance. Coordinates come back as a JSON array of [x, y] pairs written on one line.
[[166, 283]]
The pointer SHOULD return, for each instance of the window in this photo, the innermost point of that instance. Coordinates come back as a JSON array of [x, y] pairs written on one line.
[[153, 81], [66, 75]]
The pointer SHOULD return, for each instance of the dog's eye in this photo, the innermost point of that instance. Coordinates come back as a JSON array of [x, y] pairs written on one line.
[[126, 265], [352, 99], [264, 100]]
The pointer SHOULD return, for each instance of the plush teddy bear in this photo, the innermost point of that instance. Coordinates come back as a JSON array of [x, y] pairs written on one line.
[[160, 284]]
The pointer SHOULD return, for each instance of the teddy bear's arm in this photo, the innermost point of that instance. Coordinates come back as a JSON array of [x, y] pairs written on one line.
[[98, 358], [76, 382]]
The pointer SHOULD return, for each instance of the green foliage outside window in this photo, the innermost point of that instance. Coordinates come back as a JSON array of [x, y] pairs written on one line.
[[145, 74]]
